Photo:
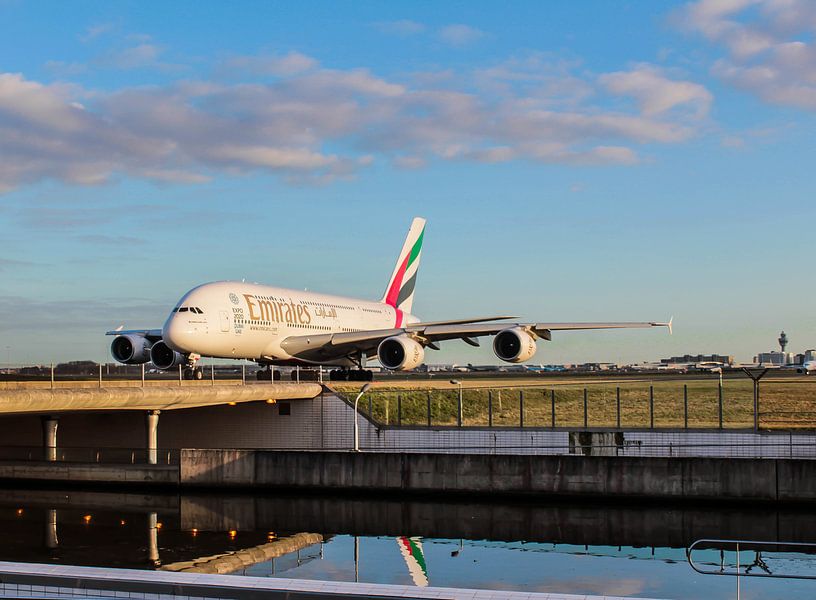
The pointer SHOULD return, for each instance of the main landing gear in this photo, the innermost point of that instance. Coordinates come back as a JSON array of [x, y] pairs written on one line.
[[351, 375], [267, 374], [193, 373]]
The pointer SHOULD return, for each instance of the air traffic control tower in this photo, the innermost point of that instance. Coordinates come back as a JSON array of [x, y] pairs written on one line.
[[783, 341]]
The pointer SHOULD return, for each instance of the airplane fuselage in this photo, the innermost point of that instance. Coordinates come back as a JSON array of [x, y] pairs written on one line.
[[233, 319]]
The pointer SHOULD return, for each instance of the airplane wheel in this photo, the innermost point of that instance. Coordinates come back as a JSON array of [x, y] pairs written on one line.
[[188, 373], [198, 373]]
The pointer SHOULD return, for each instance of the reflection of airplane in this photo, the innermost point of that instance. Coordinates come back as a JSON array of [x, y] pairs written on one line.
[[271, 325], [411, 550]]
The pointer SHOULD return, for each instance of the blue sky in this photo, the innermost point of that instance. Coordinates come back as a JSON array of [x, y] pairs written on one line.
[[575, 161]]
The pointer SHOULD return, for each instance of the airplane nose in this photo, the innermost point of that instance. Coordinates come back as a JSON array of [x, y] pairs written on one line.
[[178, 333]]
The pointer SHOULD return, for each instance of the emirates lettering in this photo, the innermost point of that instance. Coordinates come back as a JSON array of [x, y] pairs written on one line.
[[280, 312]]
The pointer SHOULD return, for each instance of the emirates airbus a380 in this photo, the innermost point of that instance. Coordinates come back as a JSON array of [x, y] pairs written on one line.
[[278, 326]]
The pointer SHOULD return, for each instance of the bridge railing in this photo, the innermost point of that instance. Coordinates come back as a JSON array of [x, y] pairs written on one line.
[[100, 455], [89, 374]]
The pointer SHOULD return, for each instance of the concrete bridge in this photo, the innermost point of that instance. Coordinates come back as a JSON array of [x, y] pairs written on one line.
[[52, 404]]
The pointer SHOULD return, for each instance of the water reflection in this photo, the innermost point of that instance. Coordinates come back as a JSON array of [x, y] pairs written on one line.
[[554, 547]]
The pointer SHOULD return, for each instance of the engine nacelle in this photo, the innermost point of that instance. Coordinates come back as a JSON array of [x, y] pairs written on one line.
[[400, 353], [514, 345], [163, 357], [131, 349]]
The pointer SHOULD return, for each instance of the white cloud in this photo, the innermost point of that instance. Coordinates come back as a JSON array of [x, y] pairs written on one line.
[[402, 27], [277, 66], [314, 124], [656, 93], [769, 45], [94, 31], [460, 35]]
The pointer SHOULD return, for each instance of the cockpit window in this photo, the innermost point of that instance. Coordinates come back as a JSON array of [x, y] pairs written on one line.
[[183, 309], [197, 310]]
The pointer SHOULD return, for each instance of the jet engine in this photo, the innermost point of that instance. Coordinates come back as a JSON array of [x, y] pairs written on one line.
[[164, 358], [514, 345], [400, 353], [131, 349]]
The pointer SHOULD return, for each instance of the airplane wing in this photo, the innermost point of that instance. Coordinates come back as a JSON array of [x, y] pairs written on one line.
[[153, 335], [335, 345]]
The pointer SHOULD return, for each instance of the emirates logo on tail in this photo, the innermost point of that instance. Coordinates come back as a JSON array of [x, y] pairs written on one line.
[[400, 291]]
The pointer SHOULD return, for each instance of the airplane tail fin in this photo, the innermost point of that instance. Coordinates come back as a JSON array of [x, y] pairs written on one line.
[[400, 290]]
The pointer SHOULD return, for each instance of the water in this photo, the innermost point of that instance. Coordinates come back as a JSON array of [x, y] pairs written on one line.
[[637, 551]]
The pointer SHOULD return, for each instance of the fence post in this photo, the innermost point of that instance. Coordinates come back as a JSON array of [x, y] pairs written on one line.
[[459, 407], [429, 408], [143, 374], [552, 403], [685, 406], [651, 407], [243, 374], [586, 410], [617, 405], [179, 375], [521, 408], [100, 375], [489, 408], [370, 407], [387, 405], [212, 373], [720, 402], [399, 410], [52, 376], [756, 404]]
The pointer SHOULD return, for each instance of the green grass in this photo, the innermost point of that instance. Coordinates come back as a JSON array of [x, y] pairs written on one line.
[[784, 404]]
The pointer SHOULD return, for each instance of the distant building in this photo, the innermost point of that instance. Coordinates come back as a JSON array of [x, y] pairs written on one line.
[[810, 355], [774, 358], [698, 358]]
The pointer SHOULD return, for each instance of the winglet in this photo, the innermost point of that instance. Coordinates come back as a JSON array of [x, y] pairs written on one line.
[[120, 328], [669, 325]]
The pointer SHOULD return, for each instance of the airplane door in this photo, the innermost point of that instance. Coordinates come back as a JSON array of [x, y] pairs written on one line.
[[224, 321]]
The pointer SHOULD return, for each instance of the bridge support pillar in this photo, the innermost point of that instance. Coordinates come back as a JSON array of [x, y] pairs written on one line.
[[152, 436], [51, 539], [153, 539], [49, 425]]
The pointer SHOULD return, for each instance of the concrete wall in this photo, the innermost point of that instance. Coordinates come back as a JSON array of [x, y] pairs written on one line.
[[90, 473], [522, 475]]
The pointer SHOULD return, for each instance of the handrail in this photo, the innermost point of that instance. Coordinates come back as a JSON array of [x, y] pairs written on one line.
[[759, 562]]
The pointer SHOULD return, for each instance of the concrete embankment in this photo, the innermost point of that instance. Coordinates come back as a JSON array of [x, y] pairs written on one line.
[[90, 473], [680, 478], [167, 397]]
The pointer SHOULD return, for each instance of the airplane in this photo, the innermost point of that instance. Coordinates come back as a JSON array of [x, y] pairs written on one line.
[[278, 326], [805, 368]]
